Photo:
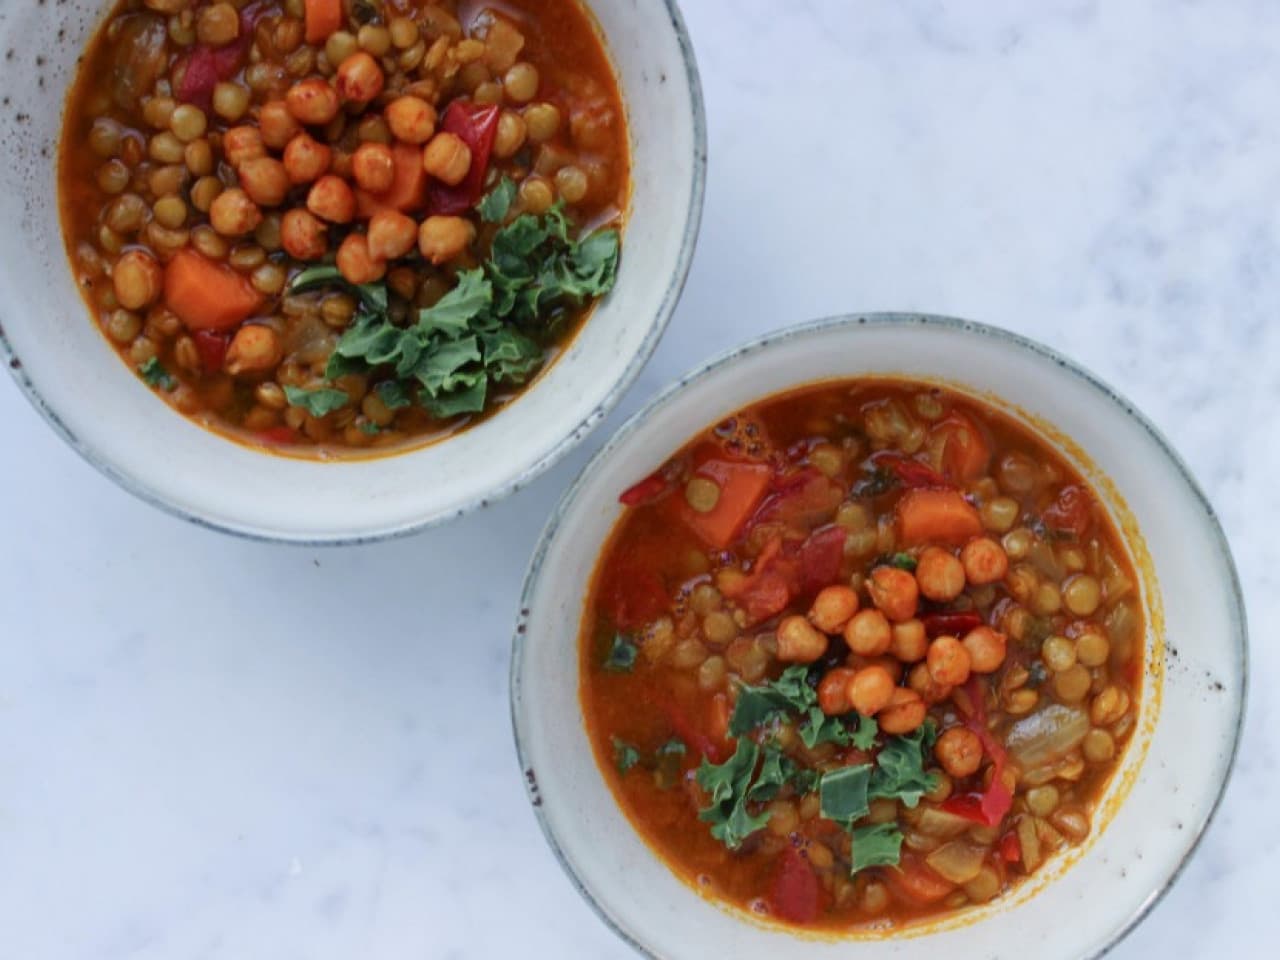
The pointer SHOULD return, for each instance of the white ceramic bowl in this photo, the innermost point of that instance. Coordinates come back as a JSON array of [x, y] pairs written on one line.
[[1173, 771], [103, 410]]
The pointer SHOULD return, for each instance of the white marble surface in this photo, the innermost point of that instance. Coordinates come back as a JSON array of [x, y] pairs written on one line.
[[220, 750]]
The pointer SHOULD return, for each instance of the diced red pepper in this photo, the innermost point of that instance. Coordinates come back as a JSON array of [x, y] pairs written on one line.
[[990, 806], [646, 491], [278, 435], [207, 65], [638, 597], [801, 499], [212, 347], [1010, 848], [476, 125], [820, 558], [950, 624], [795, 894], [691, 735], [773, 581], [911, 473], [1070, 513]]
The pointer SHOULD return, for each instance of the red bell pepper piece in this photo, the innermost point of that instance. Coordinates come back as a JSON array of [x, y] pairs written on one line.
[[911, 473], [773, 581], [208, 65], [950, 624], [1010, 848], [1070, 512], [801, 499], [646, 491], [990, 806], [476, 126], [278, 435], [820, 558], [638, 597], [212, 347], [795, 894], [691, 735]]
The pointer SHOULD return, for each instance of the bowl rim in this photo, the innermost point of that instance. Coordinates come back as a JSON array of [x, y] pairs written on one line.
[[140, 488], [1238, 627]]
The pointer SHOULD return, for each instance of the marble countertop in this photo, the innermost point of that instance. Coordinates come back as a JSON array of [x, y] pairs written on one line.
[[219, 750]]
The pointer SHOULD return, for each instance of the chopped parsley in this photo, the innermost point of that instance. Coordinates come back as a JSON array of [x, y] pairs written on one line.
[[496, 204], [625, 756], [621, 656], [154, 374]]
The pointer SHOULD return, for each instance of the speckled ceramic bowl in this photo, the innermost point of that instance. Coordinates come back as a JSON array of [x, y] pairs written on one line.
[[1173, 771], [73, 377]]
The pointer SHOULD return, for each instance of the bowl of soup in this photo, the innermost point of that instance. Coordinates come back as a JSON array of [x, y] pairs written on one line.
[[315, 270], [888, 629]]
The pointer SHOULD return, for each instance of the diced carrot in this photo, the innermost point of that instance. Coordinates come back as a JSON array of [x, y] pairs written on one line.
[[323, 18], [408, 188], [936, 516], [916, 883], [965, 453], [206, 295], [742, 487]]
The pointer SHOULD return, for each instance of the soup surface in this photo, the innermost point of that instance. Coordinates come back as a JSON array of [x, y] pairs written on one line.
[[862, 654], [327, 225]]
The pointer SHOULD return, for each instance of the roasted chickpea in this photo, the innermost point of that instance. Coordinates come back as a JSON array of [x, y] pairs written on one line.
[[871, 689], [312, 102], [254, 348], [241, 144], [948, 661], [986, 648], [137, 279], [391, 234], [894, 592], [959, 751], [921, 681], [374, 167], [909, 641], [411, 119], [833, 691], [234, 214], [868, 633], [939, 574], [359, 78], [331, 199], [832, 608], [447, 158], [984, 561], [356, 263], [799, 642], [306, 159], [277, 124], [265, 181], [905, 712], [303, 235], [440, 238]]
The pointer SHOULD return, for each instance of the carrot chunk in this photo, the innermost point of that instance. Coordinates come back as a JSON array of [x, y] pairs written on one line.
[[408, 190], [742, 487], [936, 516], [206, 295], [323, 17]]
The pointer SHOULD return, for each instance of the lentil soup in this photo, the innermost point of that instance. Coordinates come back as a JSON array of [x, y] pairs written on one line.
[[327, 226], [863, 654]]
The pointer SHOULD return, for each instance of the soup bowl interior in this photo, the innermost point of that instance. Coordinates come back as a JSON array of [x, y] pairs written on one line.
[[71, 374], [1172, 772]]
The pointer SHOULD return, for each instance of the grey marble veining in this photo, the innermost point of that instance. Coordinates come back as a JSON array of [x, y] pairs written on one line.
[[220, 750]]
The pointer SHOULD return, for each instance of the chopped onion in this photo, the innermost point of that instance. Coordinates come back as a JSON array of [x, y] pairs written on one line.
[[957, 861], [1047, 736], [940, 823]]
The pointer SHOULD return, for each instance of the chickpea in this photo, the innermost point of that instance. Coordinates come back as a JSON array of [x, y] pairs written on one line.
[[905, 712], [331, 199], [868, 633], [253, 349], [921, 681], [510, 134], [799, 642], [939, 574], [230, 101], [391, 235], [356, 263], [1072, 685], [306, 159], [374, 167], [833, 691], [137, 280], [312, 102], [1082, 594], [832, 608], [447, 158], [265, 181], [277, 125], [440, 238], [411, 119], [218, 25], [303, 235], [242, 144], [894, 592], [536, 195], [359, 78], [542, 121], [234, 214], [984, 561], [871, 689], [959, 751], [948, 661], [521, 82], [572, 185], [986, 649], [909, 642]]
